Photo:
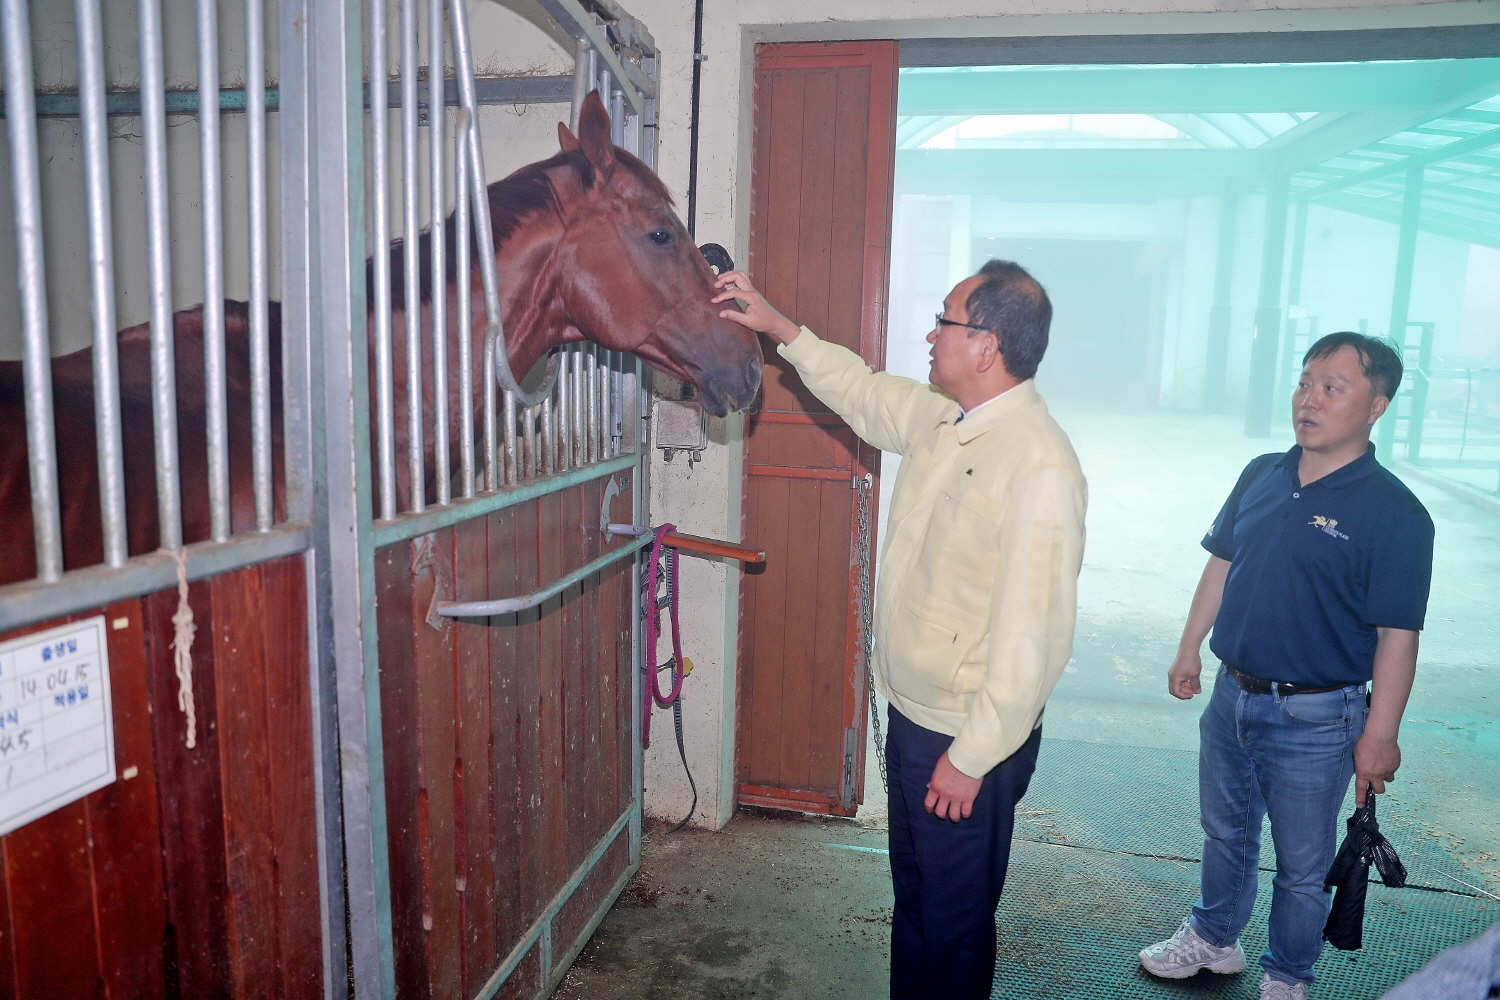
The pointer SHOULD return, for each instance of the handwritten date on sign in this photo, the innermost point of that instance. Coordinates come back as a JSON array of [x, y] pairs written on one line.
[[56, 730]]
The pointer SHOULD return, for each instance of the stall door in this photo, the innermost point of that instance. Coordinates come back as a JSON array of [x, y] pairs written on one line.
[[820, 249]]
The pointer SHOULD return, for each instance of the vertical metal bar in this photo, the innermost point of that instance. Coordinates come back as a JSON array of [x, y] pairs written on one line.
[[581, 68], [563, 416], [214, 390], [107, 429], [344, 565], [380, 212], [416, 466], [1406, 262], [528, 419], [616, 114], [509, 421], [494, 470], [465, 318], [36, 355], [438, 208], [596, 414], [260, 339], [350, 878], [580, 397], [549, 460], [159, 260]]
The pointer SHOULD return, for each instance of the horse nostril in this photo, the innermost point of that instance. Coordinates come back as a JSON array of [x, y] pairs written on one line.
[[752, 372]]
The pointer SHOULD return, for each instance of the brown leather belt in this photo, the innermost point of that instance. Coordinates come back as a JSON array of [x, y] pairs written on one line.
[[1257, 685]]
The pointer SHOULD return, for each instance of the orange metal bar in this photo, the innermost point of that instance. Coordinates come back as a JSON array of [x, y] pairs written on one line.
[[714, 547]]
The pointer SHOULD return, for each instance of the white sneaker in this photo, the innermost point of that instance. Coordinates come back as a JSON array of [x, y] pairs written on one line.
[[1185, 954], [1275, 989]]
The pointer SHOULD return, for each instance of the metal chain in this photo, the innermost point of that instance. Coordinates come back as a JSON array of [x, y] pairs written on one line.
[[864, 486]]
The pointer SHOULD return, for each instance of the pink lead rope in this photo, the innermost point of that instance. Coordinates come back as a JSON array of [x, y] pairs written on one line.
[[653, 631]]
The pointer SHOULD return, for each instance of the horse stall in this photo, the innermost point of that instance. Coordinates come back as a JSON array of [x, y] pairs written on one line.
[[321, 620]]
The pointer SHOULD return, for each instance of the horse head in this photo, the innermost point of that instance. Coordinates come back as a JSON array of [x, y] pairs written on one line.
[[630, 277]]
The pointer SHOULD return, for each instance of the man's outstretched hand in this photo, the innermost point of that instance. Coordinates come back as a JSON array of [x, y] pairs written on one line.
[[950, 792], [759, 315]]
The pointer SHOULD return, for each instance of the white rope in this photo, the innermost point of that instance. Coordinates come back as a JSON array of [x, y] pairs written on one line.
[[182, 647]]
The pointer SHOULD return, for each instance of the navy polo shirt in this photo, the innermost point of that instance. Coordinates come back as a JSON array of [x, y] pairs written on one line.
[[1315, 569]]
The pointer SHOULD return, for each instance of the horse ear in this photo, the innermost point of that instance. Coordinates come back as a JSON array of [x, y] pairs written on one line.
[[565, 138], [593, 133]]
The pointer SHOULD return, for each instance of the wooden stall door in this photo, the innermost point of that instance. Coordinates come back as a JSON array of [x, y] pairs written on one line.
[[194, 876], [820, 249], [508, 746]]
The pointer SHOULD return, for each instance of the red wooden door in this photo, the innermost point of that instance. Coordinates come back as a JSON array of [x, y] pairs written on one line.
[[820, 250]]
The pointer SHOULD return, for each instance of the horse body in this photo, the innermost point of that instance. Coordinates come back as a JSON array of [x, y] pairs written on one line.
[[587, 247]]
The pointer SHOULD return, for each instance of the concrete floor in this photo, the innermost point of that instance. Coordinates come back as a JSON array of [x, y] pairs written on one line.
[[792, 907]]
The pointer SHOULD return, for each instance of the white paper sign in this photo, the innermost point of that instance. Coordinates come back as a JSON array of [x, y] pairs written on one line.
[[57, 736]]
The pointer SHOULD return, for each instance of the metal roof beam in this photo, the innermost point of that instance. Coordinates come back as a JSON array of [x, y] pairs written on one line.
[[1230, 88], [1086, 162], [1453, 149]]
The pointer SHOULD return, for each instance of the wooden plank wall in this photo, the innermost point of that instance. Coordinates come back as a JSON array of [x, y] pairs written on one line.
[[197, 876], [819, 249], [507, 740]]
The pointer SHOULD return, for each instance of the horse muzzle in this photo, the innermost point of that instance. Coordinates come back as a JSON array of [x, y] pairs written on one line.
[[726, 392]]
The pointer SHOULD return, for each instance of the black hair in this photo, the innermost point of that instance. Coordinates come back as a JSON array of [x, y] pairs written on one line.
[[1012, 305], [1377, 356]]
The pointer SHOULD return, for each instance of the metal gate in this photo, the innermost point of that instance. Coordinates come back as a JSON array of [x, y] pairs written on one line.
[[340, 732]]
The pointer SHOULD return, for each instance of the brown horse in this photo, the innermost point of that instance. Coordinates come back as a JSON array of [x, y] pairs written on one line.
[[586, 246]]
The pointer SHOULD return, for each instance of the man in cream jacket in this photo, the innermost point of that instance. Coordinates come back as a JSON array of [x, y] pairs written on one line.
[[976, 601]]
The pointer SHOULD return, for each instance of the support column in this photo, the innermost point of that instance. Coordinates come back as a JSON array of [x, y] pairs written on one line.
[[1406, 259], [1289, 366], [1216, 360], [1258, 401]]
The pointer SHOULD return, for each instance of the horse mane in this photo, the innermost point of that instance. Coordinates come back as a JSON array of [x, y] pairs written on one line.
[[513, 200]]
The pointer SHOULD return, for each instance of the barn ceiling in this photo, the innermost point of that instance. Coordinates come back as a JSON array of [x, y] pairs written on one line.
[[1348, 134]]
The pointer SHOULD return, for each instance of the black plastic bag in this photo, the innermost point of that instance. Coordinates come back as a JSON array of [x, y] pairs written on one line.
[[1363, 846]]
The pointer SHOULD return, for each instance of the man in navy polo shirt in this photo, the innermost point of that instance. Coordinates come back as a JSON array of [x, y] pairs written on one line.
[[1316, 584]]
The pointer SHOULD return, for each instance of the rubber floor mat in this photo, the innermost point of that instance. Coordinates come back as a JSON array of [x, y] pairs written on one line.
[[1071, 921], [1145, 801], [1105, 862]]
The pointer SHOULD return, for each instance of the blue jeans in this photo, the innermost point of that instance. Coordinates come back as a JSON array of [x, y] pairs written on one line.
[[947, 876], [1290, 757]]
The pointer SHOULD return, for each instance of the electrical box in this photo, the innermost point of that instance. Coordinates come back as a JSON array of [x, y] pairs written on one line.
[[681, 426]]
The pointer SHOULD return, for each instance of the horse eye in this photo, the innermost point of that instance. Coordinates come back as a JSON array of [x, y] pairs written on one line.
[[661, 237]]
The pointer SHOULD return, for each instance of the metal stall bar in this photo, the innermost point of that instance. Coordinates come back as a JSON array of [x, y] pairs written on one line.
[[464, 321], [107, 427], [214, 389], [415, 463], [159, 260], [380, 212], [36, 355], [328, 473], [260, 294], [437, 209]]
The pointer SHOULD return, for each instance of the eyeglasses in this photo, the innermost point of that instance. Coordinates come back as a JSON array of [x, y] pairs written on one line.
[[944, 321]]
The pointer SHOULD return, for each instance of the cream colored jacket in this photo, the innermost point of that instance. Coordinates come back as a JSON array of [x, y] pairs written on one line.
[[978, 579]]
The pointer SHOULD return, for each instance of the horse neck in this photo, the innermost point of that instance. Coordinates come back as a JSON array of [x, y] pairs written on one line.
[[531, 306]]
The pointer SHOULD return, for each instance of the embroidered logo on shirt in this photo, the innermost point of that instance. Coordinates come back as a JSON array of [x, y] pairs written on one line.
[[1328, 526]]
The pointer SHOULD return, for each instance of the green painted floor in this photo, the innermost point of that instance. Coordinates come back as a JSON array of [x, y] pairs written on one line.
[[1108, 840]]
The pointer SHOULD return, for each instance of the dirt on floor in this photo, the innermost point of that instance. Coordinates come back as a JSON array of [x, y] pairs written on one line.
[[773, 905]]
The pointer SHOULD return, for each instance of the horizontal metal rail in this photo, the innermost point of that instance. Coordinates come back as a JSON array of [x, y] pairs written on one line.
[[580, 24], [95, 586], [408, 526], [487, 90], [510, 605]]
